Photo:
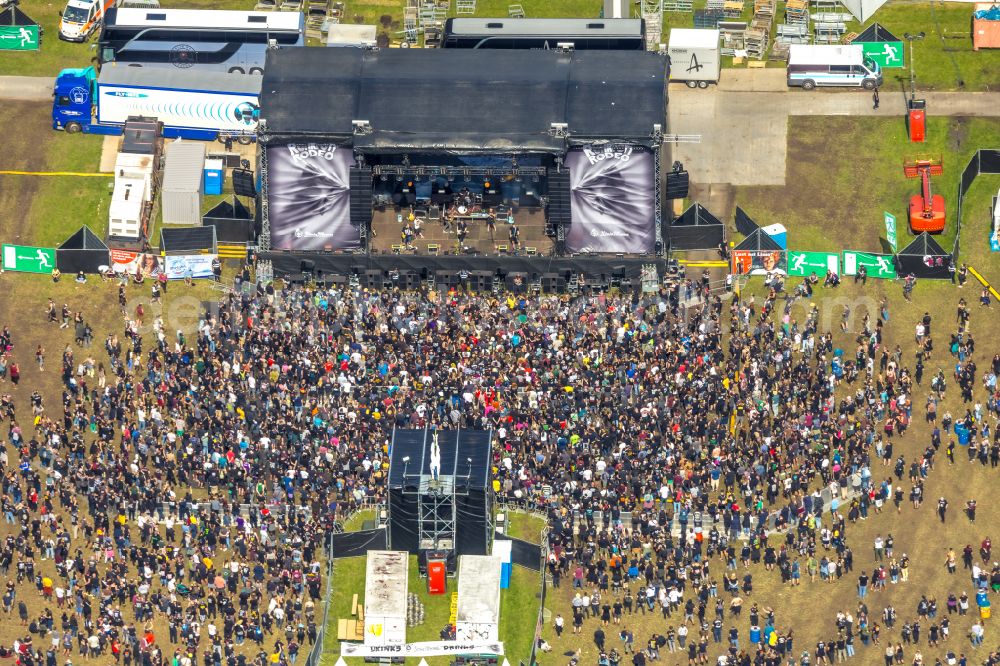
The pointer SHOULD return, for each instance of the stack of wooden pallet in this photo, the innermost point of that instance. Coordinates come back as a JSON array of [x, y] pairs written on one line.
[[733, 37], [732, 9], [707, 18], [759, 35], [353, 628], [796, 12]]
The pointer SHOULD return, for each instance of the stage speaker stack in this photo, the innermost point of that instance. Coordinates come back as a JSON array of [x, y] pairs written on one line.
[[243, 183], [360, 182], [678, 183], [410, 280], [558, 212], [482, 281], [373, 279]]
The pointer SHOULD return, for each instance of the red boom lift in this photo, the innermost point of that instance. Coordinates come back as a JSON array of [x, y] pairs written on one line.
[[926, 209]]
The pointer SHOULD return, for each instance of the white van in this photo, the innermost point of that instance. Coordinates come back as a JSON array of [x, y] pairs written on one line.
[[81, 18], [810, 66]]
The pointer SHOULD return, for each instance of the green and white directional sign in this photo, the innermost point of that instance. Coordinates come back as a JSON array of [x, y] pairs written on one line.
[[877, 265], [890, 229], [812, 263], [28, 259], [888, 55], [18, 37]]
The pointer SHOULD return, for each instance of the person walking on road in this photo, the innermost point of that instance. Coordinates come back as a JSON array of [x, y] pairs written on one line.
[[875, 99]]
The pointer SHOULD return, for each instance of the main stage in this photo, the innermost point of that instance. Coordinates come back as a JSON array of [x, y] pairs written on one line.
[[392, 158], [435, 238]]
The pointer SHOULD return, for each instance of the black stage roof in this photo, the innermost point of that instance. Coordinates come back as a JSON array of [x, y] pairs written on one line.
[[462, 100]]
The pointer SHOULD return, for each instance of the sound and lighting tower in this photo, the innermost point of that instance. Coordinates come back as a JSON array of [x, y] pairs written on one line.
[[440, 498]]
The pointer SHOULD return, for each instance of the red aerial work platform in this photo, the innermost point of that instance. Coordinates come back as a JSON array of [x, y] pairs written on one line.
[[927, 211]]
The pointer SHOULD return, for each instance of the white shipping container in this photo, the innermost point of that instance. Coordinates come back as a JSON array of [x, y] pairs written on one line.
[[478, 617], [386, 583], [694, 56], [182, 182]]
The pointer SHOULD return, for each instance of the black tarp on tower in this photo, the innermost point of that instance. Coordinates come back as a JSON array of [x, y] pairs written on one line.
[[465, 461]]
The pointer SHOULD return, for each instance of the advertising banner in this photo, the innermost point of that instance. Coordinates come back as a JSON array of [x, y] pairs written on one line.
[[612, 199], [236, 112], [877, 265], [18, 37], [890, 229], [423, 649], [194, 266], [758, 262], [888, 55], [801, 264], [126, 261], [28, 259], [309, 196]]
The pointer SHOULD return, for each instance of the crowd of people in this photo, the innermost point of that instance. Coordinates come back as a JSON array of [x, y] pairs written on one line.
[[186, 480]]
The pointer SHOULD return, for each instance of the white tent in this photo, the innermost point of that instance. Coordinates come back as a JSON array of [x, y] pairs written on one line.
[[863, 9]]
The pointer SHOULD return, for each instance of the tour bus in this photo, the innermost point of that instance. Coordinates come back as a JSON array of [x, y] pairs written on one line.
[[580, 34], [810, 66], [209, 39]]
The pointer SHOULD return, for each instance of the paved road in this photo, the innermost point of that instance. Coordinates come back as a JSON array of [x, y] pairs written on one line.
[[743, 128], [26, 88]]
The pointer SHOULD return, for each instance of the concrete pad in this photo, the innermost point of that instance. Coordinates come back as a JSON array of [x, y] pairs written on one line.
[[26, 88], [109, 153], [743, 136], [754, 80]]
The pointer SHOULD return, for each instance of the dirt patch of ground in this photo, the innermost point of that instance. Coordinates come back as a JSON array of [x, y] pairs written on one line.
[[23, 150], [958, 132]]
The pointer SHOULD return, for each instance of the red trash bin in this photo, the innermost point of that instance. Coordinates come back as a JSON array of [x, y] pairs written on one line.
[[916, 121], [437, 572]]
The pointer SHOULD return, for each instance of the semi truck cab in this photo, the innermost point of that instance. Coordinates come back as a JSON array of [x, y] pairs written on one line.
[[73, 99], [81, 18]]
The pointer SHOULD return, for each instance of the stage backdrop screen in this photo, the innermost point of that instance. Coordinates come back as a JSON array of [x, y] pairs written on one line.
[[309, 196], [612, 199]]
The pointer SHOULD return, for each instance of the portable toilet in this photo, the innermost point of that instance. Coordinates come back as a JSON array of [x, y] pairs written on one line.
[[963, 433], [214, 176], [778, 234]]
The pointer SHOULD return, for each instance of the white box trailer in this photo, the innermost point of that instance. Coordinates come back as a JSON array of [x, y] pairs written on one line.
[[478, 617], [190, 100], [127, 212], [386, 580], [694, 56], [133, 165]]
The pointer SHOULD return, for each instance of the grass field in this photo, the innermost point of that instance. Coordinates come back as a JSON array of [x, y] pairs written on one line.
[[838, 189], [518, 609], [46, 209], [518, 604]]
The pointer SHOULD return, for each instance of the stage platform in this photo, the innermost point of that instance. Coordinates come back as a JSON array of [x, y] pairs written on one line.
[[529, 221]]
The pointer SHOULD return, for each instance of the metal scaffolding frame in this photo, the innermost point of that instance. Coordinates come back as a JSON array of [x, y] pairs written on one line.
[[437, 512], [265, 272]]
